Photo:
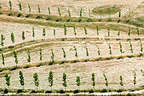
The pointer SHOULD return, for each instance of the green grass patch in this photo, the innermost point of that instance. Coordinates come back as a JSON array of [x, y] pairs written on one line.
[[106, 9]]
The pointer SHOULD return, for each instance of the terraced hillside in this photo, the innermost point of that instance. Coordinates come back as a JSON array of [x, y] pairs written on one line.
[[72, 47]]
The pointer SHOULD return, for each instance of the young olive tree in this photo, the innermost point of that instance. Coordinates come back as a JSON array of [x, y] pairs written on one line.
[[93, 80], [65, 30], [50, 79], [21, 79], [121, 49], [44, 32], [106, 80], [138, 31], [29, 7], [23, 35], [76, 54], [15, 56], [39, 10], [131, 48], [108, 32], [134, 80], [141, 47], [74, 28], [121, 81], [49, 10], [54, 32], [33, 32], [36, 80], [64, 53], [10, 5], [69, 13], [97, 28], [52, 56], [7, 78], [87, 53], [40, 54], [2, 40], [64, 80], [20, 6], [110, 49], [85, 30], [3, 59], [29, 57], [81, 12], [59, 11], [78, 81], [12, 37], [118, 33]]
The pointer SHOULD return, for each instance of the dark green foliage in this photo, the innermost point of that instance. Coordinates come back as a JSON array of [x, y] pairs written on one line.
[[33, 32], [93, 79], [85, 30], [108, 32], [98, 51], [23, 35], [138, 32], [64, 80], [2, 39], [121, 50], [50, 79], [21, 78], [40, 54], [121, 81], [7, 78], [15, 56], [78, 81], [65, 30], [3, 59], [81, 12], [49, 11], [74, 28], [29, 7], [134, 80], [131, 48], [64, 53], [10, 5], [36, 80], [97, 28], [76, 54], [39, 11], [118, 33], [106, 80], [89, 20], [54, 32], [29, 57], [59, 12], [44, 32], [119, 14], [129, 33], [87, 53], [20, 6], [52, 56], [19, 15], [141, 46], [69, 13], [110, 49], [12, 37]]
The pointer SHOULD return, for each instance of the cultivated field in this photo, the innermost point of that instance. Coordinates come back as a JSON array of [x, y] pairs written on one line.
[[72, 47]]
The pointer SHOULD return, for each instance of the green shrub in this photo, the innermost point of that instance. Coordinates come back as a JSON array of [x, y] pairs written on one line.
[[59, 12], [12, 37]]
